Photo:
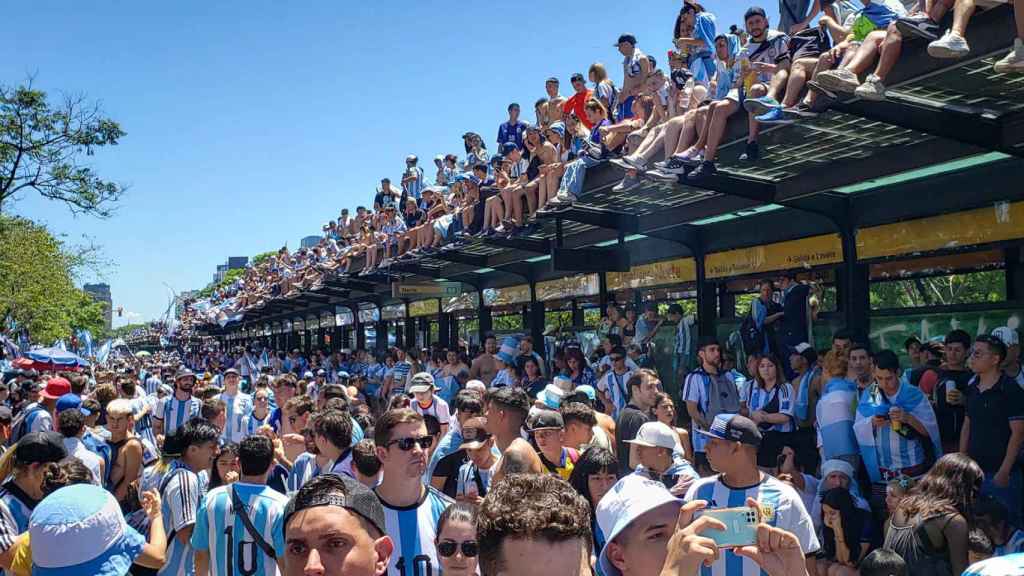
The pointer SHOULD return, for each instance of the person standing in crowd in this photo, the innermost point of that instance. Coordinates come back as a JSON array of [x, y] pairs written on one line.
[[446, 458], [531, 524], [548, 430], [473, 479], [660, 457], [593, 476], [128, 455], [235, 521], [807, 382], [643, 389], [684, 339], [766, 313], [835, 411], [191, 450], [795, 325], [954, 377], [732, 448], [505, 411], [457, 546], [512, 131], [411, 509], [332, 432], [1011, 366], [284, 387], [929, 527], [332, 510], [993, 430], [636, 68], [612, 385], [423, 389], [707, 393], [237, 406], [38, 416], [260, 415], [172, 412], [769, 402], [23, 466], [505, 358], [484, 367], [665, 412], [71, 424]]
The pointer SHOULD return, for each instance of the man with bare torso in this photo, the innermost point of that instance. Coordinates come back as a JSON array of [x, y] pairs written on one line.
[[484, 367], [553, 107]]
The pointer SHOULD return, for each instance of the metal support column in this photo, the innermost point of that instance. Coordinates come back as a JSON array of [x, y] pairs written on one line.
[[486, 325], [853, 287], [382, 336], [360, 335], [1014, 273], [726, 302], [707, 309], [536, 320], [444, 329], [602, 291]]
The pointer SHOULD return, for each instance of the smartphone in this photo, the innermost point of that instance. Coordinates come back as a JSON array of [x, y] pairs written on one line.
[[740, 527]]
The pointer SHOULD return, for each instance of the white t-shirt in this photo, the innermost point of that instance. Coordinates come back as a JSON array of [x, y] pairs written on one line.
[[438, 409]]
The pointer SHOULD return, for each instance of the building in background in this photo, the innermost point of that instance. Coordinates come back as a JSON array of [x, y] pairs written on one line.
[[310, 241], [233, 263], [101, 293]]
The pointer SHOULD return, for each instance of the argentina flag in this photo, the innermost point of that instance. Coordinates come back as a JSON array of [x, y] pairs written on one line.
[[895, 446], [835, 413]]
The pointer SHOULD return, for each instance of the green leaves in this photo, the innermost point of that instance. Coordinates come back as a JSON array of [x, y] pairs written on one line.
[[43, 146]]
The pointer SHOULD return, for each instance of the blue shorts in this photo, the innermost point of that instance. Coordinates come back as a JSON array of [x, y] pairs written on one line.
[[626, 108]]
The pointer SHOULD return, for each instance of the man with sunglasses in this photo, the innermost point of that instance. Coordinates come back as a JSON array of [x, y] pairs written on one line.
[[612, 386], [411, 509]]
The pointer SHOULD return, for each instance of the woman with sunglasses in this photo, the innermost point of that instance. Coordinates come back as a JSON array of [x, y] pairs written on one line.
[[457, 547]]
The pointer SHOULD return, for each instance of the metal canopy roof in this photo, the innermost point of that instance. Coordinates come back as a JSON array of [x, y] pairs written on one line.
[[926, 151]]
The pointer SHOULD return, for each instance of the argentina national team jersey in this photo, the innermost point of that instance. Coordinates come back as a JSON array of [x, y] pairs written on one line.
[[250, 424], [181, 494], [779, 400], [237, 407], [144, 423], [175, 413], [697, 388], [1014, 544], [1012, 565], [781, 506], [152, 384], [15, 509], [266, 511], [616, 387], [303, 469], [413, 530]]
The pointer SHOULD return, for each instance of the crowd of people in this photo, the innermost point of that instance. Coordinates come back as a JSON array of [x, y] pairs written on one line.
[[497, 461], [679, 111]]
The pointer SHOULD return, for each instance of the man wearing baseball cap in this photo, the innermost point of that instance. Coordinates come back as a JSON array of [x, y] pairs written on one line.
[[38, 416], [172, 412], [732, 443], [422, 387], [661, 457], [325, 510], [548, 429]]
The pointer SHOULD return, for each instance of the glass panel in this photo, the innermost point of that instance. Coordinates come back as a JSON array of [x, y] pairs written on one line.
[[970, 288]]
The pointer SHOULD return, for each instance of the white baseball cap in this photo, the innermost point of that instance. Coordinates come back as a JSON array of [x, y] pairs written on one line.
[[630, 498], [656, 435], [1007, 335]]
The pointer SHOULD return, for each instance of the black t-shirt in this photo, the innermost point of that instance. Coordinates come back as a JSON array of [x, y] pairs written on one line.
[[448, 468], [412, 219], [950, 418], [794, 320], [631, 418], [991, 412]]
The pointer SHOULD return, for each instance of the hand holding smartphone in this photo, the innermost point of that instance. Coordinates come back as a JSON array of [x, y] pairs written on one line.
[[740, 526]]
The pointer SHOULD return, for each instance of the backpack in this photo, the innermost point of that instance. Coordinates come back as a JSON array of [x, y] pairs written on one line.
[[20, 425], [753, 339]]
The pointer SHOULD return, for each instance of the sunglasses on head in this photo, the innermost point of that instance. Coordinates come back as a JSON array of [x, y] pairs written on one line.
[[406, 444], [447, 548]]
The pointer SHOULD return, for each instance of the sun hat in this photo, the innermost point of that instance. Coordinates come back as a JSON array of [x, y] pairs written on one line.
[[630, 498], [656, 435], [55, 388], [422, 382], [588, 390], [509, 350], [552, 396], [80, 529]]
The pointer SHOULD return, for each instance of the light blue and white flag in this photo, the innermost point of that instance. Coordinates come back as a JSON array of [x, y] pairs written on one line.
[[835, 415], [896, 450]]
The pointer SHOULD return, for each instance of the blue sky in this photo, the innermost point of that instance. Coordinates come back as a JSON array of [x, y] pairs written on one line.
[[250, 124]]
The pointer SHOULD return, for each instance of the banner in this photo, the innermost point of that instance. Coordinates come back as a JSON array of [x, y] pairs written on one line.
[[802, 253]]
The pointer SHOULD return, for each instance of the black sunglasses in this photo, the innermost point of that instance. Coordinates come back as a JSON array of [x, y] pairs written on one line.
[[469, 548], [406, 444]]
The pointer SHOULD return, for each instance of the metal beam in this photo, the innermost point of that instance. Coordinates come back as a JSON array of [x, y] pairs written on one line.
[[525, 244], [621, 221], [457, 257]]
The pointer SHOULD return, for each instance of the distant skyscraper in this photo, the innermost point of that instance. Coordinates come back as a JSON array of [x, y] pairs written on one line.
[[310, 241], [101, 293]]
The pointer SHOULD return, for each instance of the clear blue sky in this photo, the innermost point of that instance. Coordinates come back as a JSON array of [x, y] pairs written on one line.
[[250, 124]]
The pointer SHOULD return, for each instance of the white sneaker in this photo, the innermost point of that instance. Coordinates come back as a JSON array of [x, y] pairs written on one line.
[[872, 89], [838, 80], [1012, 63], [951, 45], [636, 162]]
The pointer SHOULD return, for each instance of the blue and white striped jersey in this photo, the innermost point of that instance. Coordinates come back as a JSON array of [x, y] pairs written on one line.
[[15, 509], [175, 413], [266, 511], [616, 386], [251, 423], [781, 506], [152, 384], [760, 399], [413, 530], [1012, 565], [181, 494], [237, 408], [303, 469], [400, 377], [144, 423], [37, 419]]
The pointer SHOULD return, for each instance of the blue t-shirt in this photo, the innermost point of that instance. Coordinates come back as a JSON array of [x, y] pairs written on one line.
[[413, 529], [266, 511]]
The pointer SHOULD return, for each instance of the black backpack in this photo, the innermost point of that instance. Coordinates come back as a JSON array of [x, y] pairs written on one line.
[[753, 339]]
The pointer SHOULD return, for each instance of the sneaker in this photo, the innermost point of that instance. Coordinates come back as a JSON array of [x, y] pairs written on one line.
[[872, 89], [951, 45], [918, 26], [838, 80], [758, 106], [692, 157], [676, 165], [621, 163], [751, 154], [1012, 62], [802, 110], [705, 169], [660, 164], [663, 176], [821, 90], [635, 162], [774, 116], [628, 183]]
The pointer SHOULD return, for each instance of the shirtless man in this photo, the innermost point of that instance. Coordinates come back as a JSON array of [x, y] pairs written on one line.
[[553, 107], [505, 410], [127, 451], [483, 367]]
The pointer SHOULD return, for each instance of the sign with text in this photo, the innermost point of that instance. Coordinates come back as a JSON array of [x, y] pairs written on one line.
[[426, 289]]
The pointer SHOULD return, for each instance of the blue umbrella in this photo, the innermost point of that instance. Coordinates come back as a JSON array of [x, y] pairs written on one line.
[[57, 357]]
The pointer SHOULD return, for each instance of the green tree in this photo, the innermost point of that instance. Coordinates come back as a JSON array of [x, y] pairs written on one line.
[[37, 283], [973, 287], [262, 256], [229, 277], [43, 146]]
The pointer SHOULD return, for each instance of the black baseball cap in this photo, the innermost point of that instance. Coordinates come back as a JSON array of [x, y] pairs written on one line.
[[734, 428], [755, 11], [40, 448], [705, 341], [626, 38], [546, 420], [351, 496], [577, 76]]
